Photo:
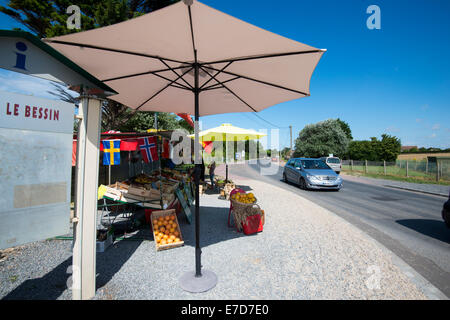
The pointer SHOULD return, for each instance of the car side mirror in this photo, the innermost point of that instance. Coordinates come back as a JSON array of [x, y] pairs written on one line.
[[298, 168]]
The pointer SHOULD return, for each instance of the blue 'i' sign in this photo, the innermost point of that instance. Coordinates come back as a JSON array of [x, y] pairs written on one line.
[[20, 58]]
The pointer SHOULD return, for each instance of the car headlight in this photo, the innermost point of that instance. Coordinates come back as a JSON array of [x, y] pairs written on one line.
[[311, 177]]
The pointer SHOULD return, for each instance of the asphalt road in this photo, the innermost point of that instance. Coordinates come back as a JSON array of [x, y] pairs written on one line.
[[407, 223]]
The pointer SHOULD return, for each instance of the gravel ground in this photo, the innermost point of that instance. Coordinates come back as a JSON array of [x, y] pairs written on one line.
[[304, 252]]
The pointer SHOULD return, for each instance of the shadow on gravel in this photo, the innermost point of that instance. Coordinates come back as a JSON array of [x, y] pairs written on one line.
[[431, 228], [213, 226], [54, 283], [49, 287]]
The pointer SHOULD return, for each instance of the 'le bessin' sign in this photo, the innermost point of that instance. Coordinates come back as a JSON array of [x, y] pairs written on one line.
[[35, 168], [36, 114]]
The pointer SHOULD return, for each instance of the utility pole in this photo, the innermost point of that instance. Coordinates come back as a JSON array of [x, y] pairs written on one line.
[[290, 132]]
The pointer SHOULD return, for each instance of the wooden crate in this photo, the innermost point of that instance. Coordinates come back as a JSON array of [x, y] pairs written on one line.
[[163, 213], [138, 191]]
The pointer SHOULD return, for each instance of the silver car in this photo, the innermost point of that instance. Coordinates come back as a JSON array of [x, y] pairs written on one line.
[[334, 163], [311, 173]]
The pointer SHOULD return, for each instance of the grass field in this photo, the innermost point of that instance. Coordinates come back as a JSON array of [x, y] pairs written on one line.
[[395, 173], [421, 156]]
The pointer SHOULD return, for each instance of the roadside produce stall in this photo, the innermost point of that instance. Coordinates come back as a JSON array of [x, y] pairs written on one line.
[[144, 182]]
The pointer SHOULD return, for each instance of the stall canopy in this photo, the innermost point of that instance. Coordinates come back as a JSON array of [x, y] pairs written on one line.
[[191, 58]]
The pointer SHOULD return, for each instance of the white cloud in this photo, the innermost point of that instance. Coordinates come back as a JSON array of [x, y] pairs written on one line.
[[392, 129], [436, 126]]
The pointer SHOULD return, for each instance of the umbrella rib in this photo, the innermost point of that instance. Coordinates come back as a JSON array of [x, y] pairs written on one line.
[[234, 94], [260, 81], [180, 77], [180, 86], [192, 31], [162, 89], [270, 55], [110, 49], [226, 66], [140, 74]]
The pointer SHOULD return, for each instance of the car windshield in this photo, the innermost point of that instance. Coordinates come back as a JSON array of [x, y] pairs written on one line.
[[314, 164], [333, 160]]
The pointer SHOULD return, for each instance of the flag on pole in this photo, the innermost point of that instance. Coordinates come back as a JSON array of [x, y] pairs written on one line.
[[166, 149], [149, 149], [111, 152]]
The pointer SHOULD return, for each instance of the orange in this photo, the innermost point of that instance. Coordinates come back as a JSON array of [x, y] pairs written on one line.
[[167, 232], [155, 222], [176, 233], [165, 237], [163, 241], [172, 237], [167, 218], [162, 229], [172, 230], [160, 223], [169, 240], [176, 240], [161, 219], [160, 234]]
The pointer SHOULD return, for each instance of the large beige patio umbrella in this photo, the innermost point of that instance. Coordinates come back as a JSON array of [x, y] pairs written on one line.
[[228, 132], [191, 58]]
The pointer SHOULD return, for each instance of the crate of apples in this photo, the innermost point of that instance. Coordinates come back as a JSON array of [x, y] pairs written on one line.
[[166, 230]]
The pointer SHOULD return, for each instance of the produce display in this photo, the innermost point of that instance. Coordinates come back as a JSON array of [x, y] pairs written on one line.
[[166, 230], [247, 198]]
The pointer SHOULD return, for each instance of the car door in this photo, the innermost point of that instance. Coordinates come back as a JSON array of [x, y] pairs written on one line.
[[288, 170], [296, 173]]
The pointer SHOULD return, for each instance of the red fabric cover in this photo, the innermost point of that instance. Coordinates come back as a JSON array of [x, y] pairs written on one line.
[[253, 225]]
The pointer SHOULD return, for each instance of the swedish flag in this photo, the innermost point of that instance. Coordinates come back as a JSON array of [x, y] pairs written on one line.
[[111, 152]]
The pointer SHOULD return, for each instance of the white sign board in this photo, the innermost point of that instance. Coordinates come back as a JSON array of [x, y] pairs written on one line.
[[35, 168]]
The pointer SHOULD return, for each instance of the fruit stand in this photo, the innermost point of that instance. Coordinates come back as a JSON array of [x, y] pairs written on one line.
[[157, 187], [247, 214]]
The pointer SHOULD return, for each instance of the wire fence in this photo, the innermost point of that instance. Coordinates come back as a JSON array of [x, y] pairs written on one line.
[[420, 170]]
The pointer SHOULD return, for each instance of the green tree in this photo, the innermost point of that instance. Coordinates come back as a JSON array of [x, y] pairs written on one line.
[[388, 148], [49, 19], [321, 139], [346, 128]]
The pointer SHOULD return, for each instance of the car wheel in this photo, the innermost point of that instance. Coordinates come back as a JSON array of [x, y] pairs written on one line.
[[302, 184], [446, 217]]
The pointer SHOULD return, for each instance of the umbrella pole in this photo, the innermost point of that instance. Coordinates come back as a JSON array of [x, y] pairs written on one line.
[[197, 281]]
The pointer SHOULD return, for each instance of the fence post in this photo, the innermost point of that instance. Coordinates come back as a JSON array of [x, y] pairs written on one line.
[[437, 171], [426, 167], [384, 165], [407, 167], [351, 165], [365, 166]]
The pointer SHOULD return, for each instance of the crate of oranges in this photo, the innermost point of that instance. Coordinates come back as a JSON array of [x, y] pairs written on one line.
[[166, 230]]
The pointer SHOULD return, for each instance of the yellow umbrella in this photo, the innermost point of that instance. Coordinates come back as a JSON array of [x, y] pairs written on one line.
[[228, 132]]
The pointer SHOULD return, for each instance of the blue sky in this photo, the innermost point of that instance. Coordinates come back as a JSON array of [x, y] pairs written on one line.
[[395, 80]]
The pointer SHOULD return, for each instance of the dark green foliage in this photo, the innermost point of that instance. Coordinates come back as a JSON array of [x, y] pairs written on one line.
[[321, 139], [388, 148]]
